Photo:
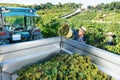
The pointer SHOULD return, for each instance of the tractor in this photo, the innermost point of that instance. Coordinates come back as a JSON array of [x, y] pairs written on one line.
[[23, 30]]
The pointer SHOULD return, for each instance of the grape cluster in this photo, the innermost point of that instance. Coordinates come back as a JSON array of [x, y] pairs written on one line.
[[63, 67]]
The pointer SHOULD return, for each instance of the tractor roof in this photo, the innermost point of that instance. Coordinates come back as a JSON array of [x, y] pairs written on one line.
[[19, 11]]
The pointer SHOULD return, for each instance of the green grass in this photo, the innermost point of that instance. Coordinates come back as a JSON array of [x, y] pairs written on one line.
[[96, 32], [78, 20], [49, 14], [110, 16]]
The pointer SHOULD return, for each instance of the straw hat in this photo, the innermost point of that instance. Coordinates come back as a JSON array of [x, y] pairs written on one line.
[[83, 29], [110, 33]]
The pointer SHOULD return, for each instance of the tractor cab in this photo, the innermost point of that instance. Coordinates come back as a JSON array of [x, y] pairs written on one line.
[[18, 24]]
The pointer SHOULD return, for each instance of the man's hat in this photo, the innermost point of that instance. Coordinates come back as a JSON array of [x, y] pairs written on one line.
[[110, 33], [83, 29]]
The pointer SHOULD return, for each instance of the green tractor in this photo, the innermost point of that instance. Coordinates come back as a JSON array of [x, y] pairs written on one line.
[[23, 30]]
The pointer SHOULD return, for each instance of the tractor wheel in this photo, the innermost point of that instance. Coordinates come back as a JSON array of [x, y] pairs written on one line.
[[4, 42], [35, 37]]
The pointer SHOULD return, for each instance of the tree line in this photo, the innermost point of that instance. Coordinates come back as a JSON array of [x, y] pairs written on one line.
[[48, 5], [108, 6]]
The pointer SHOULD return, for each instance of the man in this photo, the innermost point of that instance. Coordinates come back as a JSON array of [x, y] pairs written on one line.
[[110, 37], [67, 32], [81, 35]]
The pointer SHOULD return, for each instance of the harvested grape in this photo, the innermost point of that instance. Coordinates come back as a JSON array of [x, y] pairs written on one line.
[[63, 67]]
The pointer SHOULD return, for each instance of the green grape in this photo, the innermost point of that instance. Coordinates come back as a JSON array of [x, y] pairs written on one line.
[[63, 67]]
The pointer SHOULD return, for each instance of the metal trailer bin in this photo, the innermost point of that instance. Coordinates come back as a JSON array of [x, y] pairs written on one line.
[[15, 56]]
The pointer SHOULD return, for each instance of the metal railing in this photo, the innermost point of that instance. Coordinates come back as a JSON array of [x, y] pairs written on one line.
[[15, 56]]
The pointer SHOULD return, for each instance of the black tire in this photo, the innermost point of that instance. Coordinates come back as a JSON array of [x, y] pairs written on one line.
[[36, 37]]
